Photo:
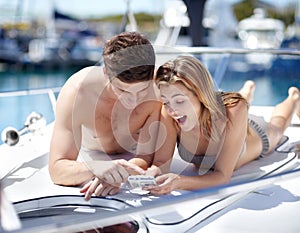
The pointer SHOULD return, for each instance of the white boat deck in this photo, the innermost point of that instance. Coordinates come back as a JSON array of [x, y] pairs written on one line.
[[271, 206]]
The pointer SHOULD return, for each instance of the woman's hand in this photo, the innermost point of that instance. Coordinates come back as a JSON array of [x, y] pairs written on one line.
[[165, 184], [99, 188], [153, 171]]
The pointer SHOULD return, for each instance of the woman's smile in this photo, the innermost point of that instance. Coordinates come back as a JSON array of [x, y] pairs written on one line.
[[181, 119], [182, 105]]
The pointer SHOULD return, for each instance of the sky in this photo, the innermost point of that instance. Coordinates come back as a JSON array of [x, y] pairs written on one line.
[[94, 8]]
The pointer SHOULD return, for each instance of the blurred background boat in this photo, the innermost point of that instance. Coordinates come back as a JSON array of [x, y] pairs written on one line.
[[65, 42], [260, 32], [63, 39]]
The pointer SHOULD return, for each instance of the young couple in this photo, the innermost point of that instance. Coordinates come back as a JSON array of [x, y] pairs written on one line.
[[110, 122]]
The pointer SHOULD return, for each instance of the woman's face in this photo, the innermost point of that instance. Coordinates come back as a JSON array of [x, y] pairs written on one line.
[[181, 104]]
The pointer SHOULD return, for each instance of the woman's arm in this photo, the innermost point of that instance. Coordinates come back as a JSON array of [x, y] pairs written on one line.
[[235, 137], [165, 145]]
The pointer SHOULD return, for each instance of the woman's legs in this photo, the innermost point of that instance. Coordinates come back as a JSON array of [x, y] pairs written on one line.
[[282, 116], [247, 90], [282, 113]]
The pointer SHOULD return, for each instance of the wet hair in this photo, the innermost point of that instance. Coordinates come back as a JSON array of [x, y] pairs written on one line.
[[130, 57], [190, 72]]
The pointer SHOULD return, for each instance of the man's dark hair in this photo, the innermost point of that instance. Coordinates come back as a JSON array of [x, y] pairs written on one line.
[[130, 57]]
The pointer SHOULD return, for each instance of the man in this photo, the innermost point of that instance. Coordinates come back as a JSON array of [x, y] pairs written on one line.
[[105, 114]]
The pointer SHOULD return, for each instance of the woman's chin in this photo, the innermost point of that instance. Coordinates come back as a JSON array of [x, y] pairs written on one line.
[[187, 126]]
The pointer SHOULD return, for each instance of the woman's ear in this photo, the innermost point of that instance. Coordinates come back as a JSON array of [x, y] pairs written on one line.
[[154, 73], [104, 71]]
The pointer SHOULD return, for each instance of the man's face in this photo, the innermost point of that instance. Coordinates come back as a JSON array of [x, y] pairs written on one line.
[[130, 94]]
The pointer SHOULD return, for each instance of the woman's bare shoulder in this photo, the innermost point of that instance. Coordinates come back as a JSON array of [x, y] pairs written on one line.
[[237, 111]]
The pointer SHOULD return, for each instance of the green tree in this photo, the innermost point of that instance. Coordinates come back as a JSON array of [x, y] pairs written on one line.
[[245, 8]]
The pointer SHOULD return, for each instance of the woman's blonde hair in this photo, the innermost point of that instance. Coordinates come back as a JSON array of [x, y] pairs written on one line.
[[195, 77]]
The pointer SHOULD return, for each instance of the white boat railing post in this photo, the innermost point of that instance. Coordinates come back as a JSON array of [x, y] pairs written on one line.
[[9, 219], [52, 100]]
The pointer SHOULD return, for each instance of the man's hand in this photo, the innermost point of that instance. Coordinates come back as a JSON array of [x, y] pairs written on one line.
[[108, 177], [99, 188], [115, 171]]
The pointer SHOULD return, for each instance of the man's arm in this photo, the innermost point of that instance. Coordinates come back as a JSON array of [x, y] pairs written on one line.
[[66, 142], [72, 105]]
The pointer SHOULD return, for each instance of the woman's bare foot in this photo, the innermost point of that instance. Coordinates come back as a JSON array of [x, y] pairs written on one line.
[[294, 93], [247, 91]]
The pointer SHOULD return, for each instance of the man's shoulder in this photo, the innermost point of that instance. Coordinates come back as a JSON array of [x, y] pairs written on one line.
[[89, 73], [84, 83], [87, 77]]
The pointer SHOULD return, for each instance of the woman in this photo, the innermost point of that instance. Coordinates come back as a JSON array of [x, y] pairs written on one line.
[[212, 130]]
